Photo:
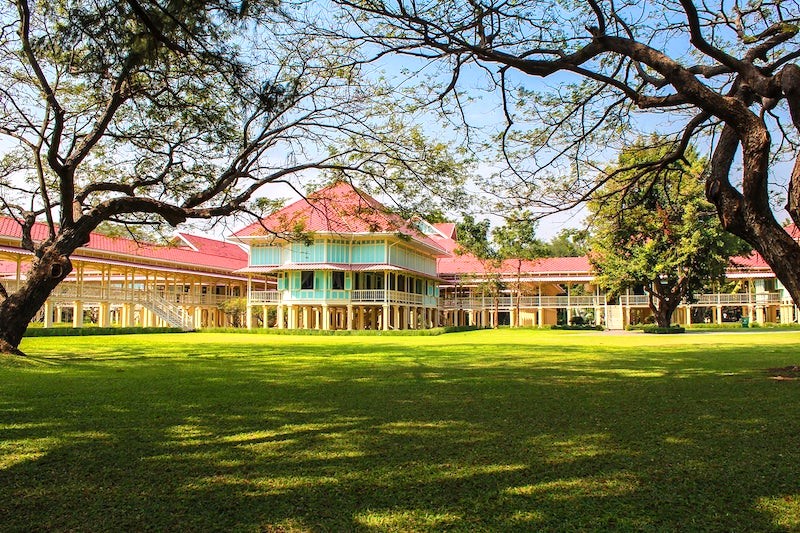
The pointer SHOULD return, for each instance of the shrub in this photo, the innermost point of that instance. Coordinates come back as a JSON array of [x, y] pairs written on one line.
[[345, 333], [77, 332], [651, 328], [578, 327]]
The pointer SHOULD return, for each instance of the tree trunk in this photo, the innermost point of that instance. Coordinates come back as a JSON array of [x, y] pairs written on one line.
[[780, 252], [663, 314], [749, 215], [19, 308], [663, 302]]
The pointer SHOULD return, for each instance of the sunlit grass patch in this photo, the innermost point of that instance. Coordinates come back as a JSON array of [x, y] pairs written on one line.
[[485, 431], [784, 511], [571, 489], [406, 520]]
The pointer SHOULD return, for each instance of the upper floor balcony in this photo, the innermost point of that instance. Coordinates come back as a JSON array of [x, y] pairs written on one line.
[[341, 297], [505, 303], [88, 293]]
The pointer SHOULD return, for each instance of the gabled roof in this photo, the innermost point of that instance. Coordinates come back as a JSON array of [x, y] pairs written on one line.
[[448, 229], [339, 208], [468, 264], [219, 256], [212, 246]]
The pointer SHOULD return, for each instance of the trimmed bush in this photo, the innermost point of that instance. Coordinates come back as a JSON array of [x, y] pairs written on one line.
[[577, 327], [753, 325], [724, 325], [651, 328], [347, 333], [78, 332]]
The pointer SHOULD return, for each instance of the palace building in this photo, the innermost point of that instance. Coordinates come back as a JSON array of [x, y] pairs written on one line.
[[338, 259], [123, 282]]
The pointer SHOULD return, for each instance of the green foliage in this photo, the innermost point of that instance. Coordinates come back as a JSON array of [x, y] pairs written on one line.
[[236, 309], [753, 325], [577, 327], [659, 330], [516, 239], [656, 230], [89, 331], [432, 332], [569, 242], [473, 237]]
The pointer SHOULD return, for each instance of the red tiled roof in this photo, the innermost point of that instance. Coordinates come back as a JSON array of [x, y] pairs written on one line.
[[225, 256], [449, 245], [214, 247], [447, 228], [338, 208], [469, 264], [754, 260]]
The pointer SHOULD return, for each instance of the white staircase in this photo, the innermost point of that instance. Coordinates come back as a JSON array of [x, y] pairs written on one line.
[[172, 314]]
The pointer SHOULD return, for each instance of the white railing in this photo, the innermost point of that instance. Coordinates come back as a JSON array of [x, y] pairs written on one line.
[[265, 297], [632, 300], [760, 298], [527, 302], [361, 296], [170, 313], [70, 292], [407, 298], [368, 296]]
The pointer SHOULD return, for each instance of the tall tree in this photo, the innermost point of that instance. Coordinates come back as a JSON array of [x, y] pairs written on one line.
[[474, 238], [569, 242], [660, 233], [152, 111], [517, 244], [723, 76], [503, 247]]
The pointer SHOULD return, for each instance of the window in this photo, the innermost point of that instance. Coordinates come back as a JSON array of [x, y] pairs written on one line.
[[307, 279], [337, 281]]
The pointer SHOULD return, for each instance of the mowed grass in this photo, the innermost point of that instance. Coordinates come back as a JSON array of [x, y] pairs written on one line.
[[482, 431]]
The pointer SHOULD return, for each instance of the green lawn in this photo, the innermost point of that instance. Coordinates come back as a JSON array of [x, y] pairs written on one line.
[[493, 431]]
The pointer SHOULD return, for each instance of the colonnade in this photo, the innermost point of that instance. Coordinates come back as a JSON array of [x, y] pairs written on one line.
[[346, 317]]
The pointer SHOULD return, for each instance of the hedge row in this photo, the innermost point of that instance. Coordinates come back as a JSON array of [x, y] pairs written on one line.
[[578, 327], [652, 328], [344, 332], [737, 325], [77, 332]]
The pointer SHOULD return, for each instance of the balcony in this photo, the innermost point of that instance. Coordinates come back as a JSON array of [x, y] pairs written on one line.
[[360, 297], [506, 303]]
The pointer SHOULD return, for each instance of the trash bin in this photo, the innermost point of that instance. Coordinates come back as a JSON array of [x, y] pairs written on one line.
[[745, 322]]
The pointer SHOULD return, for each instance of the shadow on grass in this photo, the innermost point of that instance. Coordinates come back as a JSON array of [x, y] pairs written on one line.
[[422, 439]]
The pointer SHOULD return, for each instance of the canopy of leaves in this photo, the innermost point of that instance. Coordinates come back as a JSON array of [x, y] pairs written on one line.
[[660, 232], [569, 242]]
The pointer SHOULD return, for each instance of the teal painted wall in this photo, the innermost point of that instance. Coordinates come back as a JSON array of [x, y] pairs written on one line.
[[314, 253], [369, 252], [338, 252], [265, 255]]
